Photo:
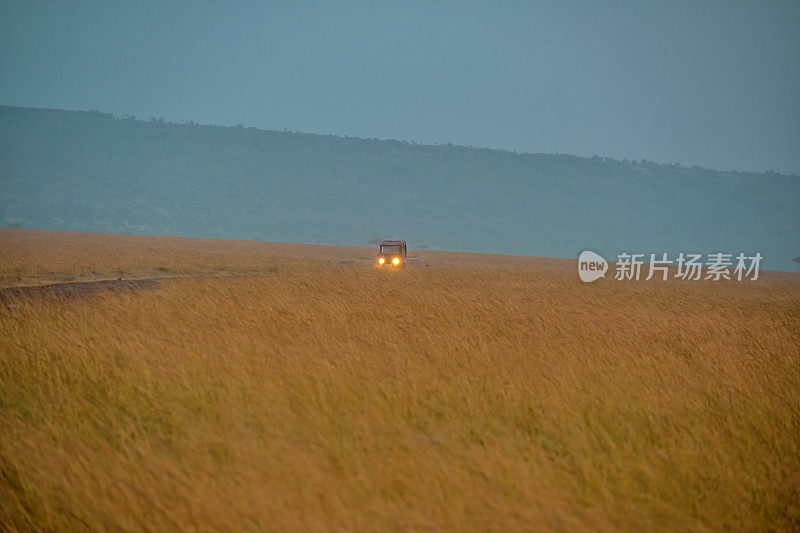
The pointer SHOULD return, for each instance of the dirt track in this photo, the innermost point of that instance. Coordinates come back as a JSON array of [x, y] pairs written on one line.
[[9, 295]]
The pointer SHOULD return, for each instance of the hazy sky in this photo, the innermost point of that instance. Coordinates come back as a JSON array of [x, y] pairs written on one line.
[[714, 84]]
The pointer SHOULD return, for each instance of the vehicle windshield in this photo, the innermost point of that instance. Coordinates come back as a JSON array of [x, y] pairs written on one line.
[[390, 249]]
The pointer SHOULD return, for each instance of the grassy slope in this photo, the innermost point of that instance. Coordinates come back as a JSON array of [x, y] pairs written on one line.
[[482, 393]]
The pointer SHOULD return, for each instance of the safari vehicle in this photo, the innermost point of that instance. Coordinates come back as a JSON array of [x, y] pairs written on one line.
[[392, 253]]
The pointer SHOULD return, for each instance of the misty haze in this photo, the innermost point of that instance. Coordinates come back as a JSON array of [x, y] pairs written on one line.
[[94, 172], [399, 266]]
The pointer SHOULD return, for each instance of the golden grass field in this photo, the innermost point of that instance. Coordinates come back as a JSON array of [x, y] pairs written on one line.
[[267, 386]]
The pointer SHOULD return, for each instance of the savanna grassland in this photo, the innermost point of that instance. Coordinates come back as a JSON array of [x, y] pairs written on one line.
[[264, 386]]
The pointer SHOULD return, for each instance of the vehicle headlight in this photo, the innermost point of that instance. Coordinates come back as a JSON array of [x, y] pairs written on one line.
[[396, 261], [381, 261]]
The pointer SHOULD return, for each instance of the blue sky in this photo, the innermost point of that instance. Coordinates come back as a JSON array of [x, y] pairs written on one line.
[[714, 84]]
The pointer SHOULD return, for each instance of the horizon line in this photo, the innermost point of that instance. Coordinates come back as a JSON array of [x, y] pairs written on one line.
[[640, 162]]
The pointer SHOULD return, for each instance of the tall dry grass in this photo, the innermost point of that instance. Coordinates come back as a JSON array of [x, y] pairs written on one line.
[[30, 256], [328, 397]]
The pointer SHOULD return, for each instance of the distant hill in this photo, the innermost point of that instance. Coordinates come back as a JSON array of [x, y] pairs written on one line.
[[91, 171]]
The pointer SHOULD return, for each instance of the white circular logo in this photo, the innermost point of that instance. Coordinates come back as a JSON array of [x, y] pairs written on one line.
[[591, 266]]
